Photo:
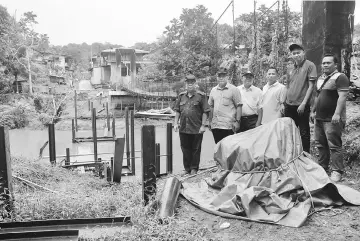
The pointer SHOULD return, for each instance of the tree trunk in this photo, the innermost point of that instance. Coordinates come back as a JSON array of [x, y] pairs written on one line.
[[327, 28], [29, 69]]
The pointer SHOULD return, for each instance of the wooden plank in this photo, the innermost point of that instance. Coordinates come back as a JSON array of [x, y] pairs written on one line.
[[5, 170], [148, 162], [118, 159]]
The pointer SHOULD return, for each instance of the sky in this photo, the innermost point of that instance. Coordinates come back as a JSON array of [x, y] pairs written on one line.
[[122, 22]]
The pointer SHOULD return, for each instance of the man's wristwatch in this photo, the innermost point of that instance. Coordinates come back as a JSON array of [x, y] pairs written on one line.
[[238, 121]]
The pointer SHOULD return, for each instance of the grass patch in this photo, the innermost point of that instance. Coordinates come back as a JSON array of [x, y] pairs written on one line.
[[86, 196]]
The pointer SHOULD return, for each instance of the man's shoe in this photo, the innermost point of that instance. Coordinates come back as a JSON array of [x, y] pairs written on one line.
[[193, 172], [335, 176]]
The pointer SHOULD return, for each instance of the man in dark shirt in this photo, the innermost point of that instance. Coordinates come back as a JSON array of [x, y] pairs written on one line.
[[330, 115], [299, 89], [191, 108]]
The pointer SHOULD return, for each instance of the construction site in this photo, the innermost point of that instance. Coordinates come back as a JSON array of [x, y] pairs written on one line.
[[88, 149]]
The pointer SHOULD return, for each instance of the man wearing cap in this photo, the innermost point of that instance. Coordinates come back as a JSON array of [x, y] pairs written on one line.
[[191, 109], [250, 97], [225, 103], [299, 89]]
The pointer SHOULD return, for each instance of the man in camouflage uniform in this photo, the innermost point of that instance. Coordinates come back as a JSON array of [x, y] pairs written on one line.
[[191, 109]]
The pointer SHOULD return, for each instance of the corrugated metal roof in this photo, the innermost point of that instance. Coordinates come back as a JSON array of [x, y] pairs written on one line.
[[137, 51]]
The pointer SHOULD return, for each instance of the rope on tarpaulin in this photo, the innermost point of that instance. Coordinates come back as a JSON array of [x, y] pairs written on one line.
[[283, 167]]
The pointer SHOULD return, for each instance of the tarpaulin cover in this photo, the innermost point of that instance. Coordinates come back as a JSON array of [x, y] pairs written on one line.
[[265, 176]]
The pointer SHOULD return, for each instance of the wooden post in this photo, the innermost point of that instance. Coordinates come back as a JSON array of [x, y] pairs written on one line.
[[73, 134], [157, 159], [132, 130], [94, 133], [127, 136], [52, 151], [107, 116], [75, 107], [148, 162], [5, 170], [67, 160], [169, 150]]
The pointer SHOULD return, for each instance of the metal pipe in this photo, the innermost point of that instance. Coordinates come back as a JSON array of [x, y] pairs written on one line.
[[169, 197], [89, 105], [132, 130], [127, 139], [169, 149], [67, 160], [52, 151], [107, 116], [157, 159], [94, 133], [75, 107]]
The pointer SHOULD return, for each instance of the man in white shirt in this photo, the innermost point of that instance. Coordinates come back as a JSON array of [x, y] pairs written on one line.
[[251, 97], [273, 98]]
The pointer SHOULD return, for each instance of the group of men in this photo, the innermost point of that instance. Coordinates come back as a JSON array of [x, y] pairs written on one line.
[[230, 109]]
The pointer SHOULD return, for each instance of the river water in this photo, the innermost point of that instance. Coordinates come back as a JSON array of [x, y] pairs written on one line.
[[27, 143]]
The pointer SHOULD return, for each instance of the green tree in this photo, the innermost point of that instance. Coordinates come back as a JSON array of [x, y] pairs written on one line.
[[189, 43]]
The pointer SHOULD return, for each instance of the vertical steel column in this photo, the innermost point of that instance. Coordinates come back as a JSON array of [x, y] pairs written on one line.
[[107, 116], [132, 130], [148, 162], [118, 159], [157, 159], [169, 149], [113, 127], [73, 135], [52, 151], [75, 107], [67, 160], [5, 170], [127, 136], [93, 117]]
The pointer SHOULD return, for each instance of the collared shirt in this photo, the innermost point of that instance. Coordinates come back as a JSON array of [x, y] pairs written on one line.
[[224, 101], [328, 95], [251, 100], [273, 96], [191, 110], [298, 82]]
